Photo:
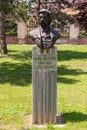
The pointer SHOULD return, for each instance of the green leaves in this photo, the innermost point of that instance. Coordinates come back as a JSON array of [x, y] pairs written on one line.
[[14, 9], [21, 9], [6, 6]]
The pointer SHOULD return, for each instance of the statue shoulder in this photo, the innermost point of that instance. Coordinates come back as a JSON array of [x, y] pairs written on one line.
[[34, 32], [55, 32]]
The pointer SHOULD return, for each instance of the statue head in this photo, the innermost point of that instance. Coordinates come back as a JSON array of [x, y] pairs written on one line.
[[44, 36], [44, 18]]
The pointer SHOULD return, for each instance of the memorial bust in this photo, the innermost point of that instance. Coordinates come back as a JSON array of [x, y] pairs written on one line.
[[44, 36]]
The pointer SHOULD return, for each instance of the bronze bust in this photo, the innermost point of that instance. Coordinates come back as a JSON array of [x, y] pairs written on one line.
[[44, 36]]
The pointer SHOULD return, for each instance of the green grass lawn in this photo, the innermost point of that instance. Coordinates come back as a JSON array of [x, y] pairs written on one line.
[[16, 87]]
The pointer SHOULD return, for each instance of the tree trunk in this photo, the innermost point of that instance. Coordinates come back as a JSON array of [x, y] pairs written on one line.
[[2, 33]]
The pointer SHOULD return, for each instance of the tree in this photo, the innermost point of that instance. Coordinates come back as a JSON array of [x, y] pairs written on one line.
[[81, 6], [12, 10], [55, 6], [21, 9], [2, 33], [5, 7]]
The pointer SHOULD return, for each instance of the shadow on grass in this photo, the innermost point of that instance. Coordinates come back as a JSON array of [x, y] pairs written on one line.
[[62, 55], [74, 117], [18, 74], [68, 55], [24, 55], [62, 71], [66, 80], [15, 74]]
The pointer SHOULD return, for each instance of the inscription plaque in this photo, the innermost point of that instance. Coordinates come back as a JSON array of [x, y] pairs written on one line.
[[44, 62]]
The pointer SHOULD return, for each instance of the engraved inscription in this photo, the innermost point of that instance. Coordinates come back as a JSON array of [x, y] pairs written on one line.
[[44, 62]]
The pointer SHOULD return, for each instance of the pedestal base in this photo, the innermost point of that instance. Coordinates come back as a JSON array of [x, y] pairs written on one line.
[[44, 72]]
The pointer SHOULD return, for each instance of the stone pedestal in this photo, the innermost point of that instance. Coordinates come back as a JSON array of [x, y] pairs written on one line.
[[74, 32], [21, 31], [44, 80]]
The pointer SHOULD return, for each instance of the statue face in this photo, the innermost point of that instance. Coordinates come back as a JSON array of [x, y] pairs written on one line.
[[44, 19]]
